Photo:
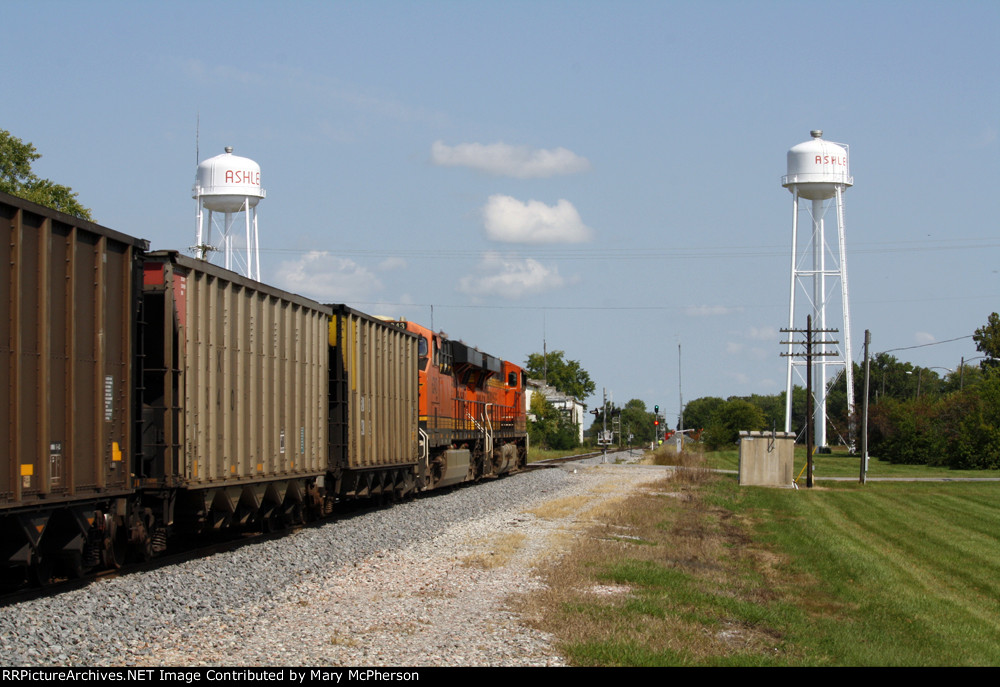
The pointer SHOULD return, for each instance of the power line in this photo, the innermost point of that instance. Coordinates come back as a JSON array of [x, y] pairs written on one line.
[[605, 254], [933, 343], [528, 307]]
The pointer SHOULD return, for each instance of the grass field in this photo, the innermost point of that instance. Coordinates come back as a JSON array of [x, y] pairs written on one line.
[[699, 571], [840, 464]]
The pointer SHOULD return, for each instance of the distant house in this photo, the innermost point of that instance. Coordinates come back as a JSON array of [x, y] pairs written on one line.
[[568, 405]]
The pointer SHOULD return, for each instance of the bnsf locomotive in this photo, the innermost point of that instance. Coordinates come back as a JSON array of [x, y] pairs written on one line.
[[147, 395]]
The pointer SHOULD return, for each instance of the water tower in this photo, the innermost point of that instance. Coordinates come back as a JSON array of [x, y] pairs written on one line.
[[229, 185], [819, 172]]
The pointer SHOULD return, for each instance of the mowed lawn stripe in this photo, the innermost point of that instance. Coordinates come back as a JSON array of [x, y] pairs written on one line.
[[947, 533], [917, 584]]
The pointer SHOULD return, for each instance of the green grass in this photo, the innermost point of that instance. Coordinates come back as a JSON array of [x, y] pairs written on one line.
[[909, 574], [840, 464], [886, 574]]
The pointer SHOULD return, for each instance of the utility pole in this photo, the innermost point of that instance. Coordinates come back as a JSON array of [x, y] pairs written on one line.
[[680, 401], [545, 355], [864, 419], [604, 435], [809, 355]]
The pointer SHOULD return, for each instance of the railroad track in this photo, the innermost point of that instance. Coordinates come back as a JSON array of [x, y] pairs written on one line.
[[19, 590], [553, 462]]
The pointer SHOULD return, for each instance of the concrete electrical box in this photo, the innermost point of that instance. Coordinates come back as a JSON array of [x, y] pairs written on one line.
[[767, 458]]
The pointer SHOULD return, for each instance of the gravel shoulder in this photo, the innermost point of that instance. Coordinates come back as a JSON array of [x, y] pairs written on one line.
[[424, 583]]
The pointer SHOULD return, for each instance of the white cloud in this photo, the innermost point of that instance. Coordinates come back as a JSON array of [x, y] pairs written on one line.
[[328, 279], [392, 264], [733, 348], [710, 310], [508, 219], [501, 159], [763, 334], [739, 377], [221, 73], [924, 338], [510, 278], [987, 138], [321, 92]]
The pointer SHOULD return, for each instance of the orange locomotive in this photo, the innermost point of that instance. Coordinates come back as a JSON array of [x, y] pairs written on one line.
[[472, 413]]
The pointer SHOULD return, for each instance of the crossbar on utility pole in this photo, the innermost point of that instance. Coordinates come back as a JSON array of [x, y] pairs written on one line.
[[809, 355]]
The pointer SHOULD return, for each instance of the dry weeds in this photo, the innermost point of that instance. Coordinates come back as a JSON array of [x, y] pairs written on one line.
[[340, 639], [672, 530], [498, 552], [561, 508]]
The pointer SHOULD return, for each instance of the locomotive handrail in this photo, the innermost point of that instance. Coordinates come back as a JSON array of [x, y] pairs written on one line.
[[488, 432], [425, 450], [486, 429]]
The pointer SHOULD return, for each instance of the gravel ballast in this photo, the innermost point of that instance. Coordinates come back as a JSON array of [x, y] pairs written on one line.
[[390, 587]]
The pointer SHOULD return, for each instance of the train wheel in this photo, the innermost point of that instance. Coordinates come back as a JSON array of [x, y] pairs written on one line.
[[40, 570], [116, 551], [141, 546], [144, 548], [272, 522], [114, 546], [296, 514], [72, 563]]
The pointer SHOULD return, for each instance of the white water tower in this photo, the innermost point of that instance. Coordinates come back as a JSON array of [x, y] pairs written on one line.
[[230, 186], [819, 172]]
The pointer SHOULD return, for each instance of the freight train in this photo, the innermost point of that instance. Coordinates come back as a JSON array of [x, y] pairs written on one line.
[[148, 396]]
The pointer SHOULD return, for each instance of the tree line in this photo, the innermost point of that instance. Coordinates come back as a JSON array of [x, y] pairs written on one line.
[[550, 427], [915, 414], [951, 420]]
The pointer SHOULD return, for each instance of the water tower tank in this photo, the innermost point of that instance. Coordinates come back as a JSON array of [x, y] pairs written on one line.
[[816, 167], [226, 181]]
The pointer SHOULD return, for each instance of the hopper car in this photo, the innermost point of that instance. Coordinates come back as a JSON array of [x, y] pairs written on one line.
[[148, 396]]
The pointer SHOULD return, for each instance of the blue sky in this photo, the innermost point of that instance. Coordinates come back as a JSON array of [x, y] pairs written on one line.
[[606, 174]]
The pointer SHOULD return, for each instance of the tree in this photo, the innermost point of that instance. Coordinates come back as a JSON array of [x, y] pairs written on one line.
[[906, 431], [17, 179], [600, 421], [566, 376], [729, 419], [632, 418], [550, 428], [891, 378], [698, 413], [637, 421], [965, 377], [987, 340]]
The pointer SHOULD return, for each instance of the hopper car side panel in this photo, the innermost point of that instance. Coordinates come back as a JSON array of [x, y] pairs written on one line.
[[68, 325], [235, 412], [374, 397]]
